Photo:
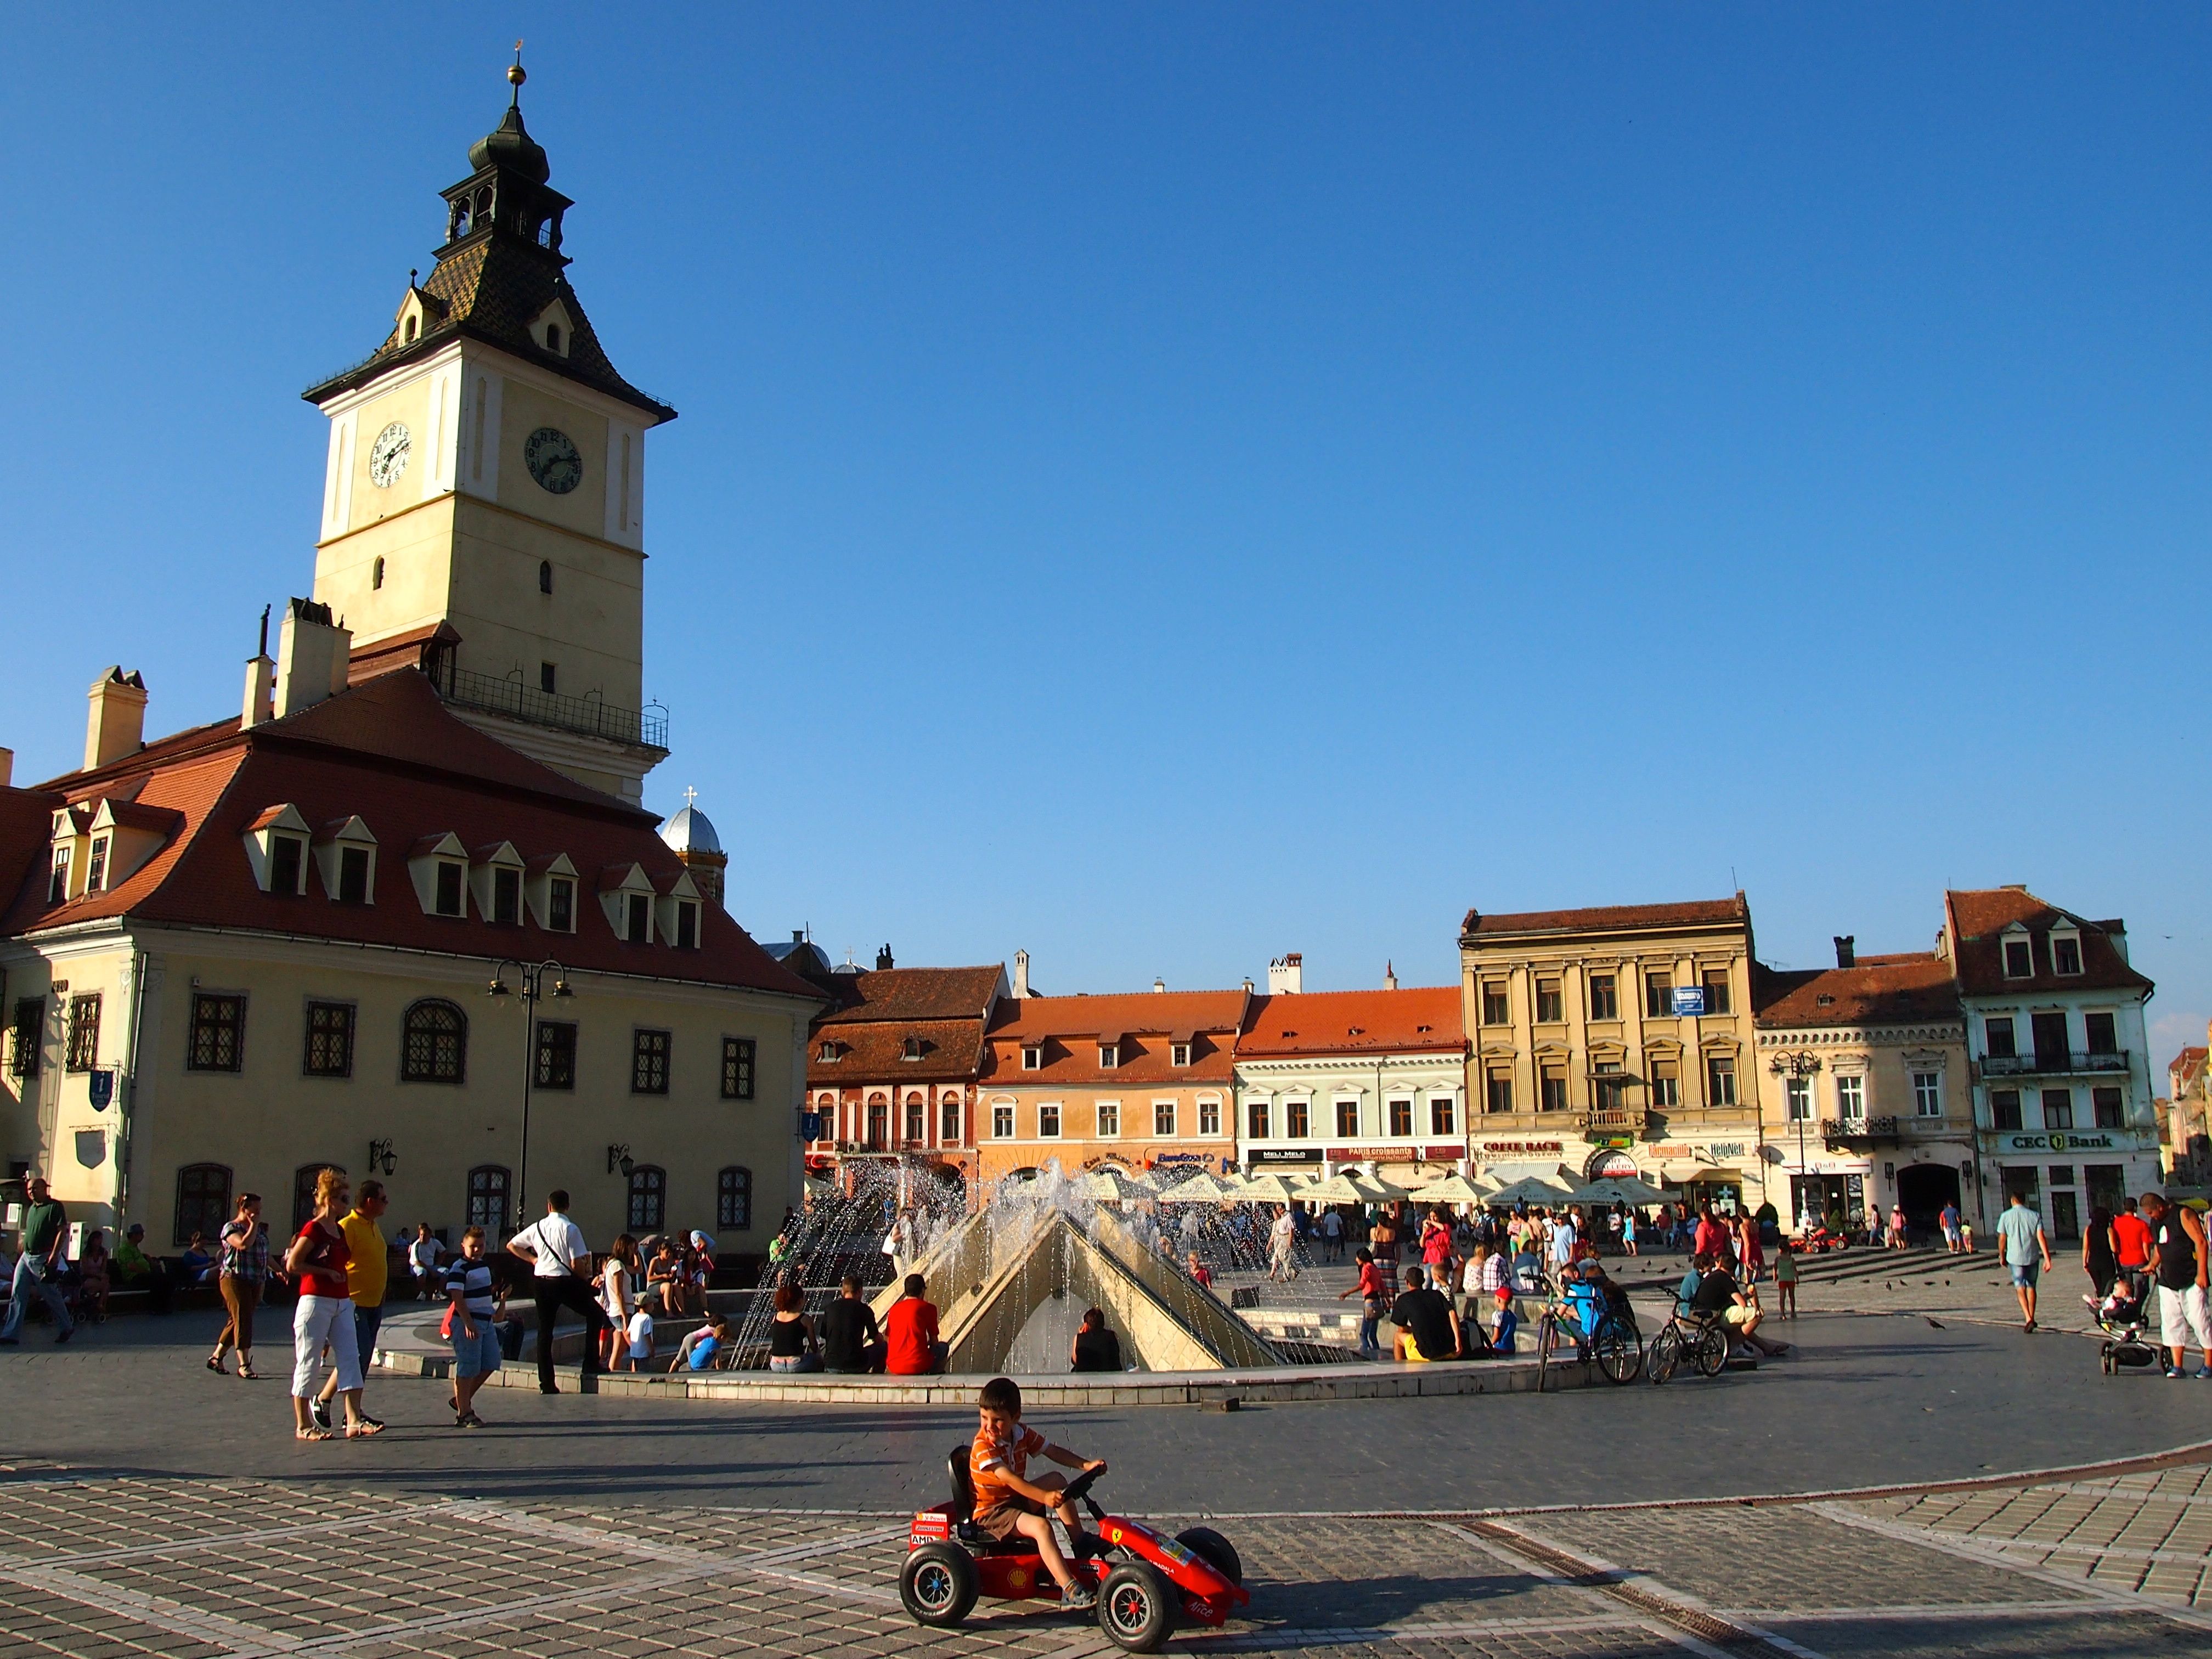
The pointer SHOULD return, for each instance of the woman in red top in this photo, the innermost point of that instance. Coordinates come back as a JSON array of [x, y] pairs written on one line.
[[1373, 1292], [320, 1258]]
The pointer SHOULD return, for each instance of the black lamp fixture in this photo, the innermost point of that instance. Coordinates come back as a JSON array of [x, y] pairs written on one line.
[[534, 977], [381, 1157], [1797, 1066], [619, 1158]]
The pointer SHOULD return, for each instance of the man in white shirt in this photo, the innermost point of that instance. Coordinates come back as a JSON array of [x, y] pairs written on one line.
[[1563, 1243], [561, 1277]]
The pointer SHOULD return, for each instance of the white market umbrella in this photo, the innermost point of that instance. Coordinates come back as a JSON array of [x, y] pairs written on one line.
[[1452, 1189], [1201, 1188], [1616, 1189], [1114, 1184], [1533, 1189], [1338, 1189], [1272, 1189]]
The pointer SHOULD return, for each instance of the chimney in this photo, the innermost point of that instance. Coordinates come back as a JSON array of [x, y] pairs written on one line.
[[1286, 975], [1160, 987], [258, 703], [311, 655], [1021, 973], [1248, 987], [1846, 955], [118, 723], [6, 766], [1389, 975], [883, 959]]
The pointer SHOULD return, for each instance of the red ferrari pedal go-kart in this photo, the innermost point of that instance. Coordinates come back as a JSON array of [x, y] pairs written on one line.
[[1147, 1582]]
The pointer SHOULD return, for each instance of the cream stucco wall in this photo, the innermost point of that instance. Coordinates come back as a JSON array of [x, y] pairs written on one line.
[[268, 1120]]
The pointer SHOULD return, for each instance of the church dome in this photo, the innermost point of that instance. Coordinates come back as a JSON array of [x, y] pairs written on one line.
[[691, 831]]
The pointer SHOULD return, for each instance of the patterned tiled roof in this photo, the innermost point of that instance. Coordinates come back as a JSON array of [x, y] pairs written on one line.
[[1610, 918]]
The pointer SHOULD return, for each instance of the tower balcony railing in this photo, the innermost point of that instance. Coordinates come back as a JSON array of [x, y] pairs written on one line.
[[587, 715]]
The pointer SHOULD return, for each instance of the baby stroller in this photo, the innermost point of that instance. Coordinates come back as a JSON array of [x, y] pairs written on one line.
[[2121, 1317]]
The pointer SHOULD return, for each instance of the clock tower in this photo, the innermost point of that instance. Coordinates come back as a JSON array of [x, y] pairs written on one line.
[[484, 507]]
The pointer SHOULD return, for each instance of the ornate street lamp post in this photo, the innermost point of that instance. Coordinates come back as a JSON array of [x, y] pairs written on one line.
[[1797, 1066], [534, 988]]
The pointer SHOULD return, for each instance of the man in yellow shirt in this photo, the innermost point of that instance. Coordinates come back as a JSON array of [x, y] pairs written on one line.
[[366, 1273]]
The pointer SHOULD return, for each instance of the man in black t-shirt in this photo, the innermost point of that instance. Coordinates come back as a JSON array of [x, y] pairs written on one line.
[[1721, 1297], [1427, 1327], [851, 1342]]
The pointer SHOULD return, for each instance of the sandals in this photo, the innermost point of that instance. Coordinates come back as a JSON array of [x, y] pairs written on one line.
[[247, 1372], [364, 1429], [310, 1433], [468, 1420], [215, 1364]]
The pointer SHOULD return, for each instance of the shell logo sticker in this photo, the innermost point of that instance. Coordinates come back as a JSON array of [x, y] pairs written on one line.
[[1018, 1579]]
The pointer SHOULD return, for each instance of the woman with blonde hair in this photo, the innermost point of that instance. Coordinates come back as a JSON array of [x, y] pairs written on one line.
[[319, 1256]]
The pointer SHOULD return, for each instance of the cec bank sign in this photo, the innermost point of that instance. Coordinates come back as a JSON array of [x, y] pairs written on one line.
[[2060, 1142]]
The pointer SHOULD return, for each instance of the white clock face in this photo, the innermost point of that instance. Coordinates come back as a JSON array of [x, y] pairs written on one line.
[[553, 460], [388, 456]]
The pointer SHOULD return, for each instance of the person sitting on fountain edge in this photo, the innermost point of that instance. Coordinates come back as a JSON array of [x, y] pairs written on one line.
[[1427, 1327], [1007, 1501], [910, 1333], [1096, 1347], [851, 1343]]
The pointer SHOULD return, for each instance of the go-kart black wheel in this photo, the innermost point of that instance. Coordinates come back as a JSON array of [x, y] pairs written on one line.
[[938, 1584], [1137, 1608], [1217, 1552]]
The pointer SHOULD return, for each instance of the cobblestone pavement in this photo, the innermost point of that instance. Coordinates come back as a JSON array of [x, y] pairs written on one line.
[[2104, 1564]]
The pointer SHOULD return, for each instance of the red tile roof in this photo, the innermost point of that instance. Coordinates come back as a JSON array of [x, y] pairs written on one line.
[[911, 993], [2188, 1065], [1907, 989], [1420, 1020], [1608, 919], [1976, 918], [390, 751], [875, 1053], [1146, 1023]]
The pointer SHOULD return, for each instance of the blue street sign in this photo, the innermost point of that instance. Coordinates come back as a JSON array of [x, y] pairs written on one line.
[[809, 1126], [103, 1089], [1690, 1000]]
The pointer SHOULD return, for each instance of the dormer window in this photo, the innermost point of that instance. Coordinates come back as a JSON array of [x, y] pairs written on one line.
[[1109, 1055], [376, 574], [560, 905], [911, 1048], [1032, 1057], [506, 897], [1179, 1054], [448, 899], [2019, 959], [409, 332], [638, 921], [58, 884], [288, 865], [95, 872], [2065, 950], [545, 575], [552, 337], [353, 875], [687, 926], [826, 1054]]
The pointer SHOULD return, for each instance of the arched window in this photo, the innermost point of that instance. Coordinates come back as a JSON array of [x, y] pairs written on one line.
[[411, 330], [648, 1197], [203, 1201], [376, 573], [879, 1124], [733, 1199], [552, 337], [488, 1199], [917, 1120], [545, 575], [433, 1043], [303, 1191]]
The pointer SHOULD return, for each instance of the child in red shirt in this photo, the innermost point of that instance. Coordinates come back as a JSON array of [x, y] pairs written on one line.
[[1373, 1292]]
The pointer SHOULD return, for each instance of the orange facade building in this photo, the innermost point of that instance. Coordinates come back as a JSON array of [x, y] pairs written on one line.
[[1140, 1082]]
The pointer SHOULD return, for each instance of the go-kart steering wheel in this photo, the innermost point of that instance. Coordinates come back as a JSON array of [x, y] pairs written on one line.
[[1078, 1489]]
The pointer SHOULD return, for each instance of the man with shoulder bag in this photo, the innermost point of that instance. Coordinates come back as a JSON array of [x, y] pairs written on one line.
[[560, 1267]]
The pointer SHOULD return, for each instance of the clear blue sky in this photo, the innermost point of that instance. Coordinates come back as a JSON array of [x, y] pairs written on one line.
[[1167, 485]]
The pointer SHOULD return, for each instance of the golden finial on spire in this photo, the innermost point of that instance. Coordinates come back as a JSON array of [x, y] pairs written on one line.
[[515, 73]]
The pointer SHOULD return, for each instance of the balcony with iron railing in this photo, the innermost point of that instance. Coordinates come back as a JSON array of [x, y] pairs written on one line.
[[2050, 1062], [1614, 1121], [1843, 1131], [587, 715]]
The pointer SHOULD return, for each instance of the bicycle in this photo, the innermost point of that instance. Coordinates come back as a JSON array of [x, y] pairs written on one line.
[[1617, 1349], [1703, 1342]]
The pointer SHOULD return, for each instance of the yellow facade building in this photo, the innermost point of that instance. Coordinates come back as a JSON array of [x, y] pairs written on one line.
[[1615, 1041]]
